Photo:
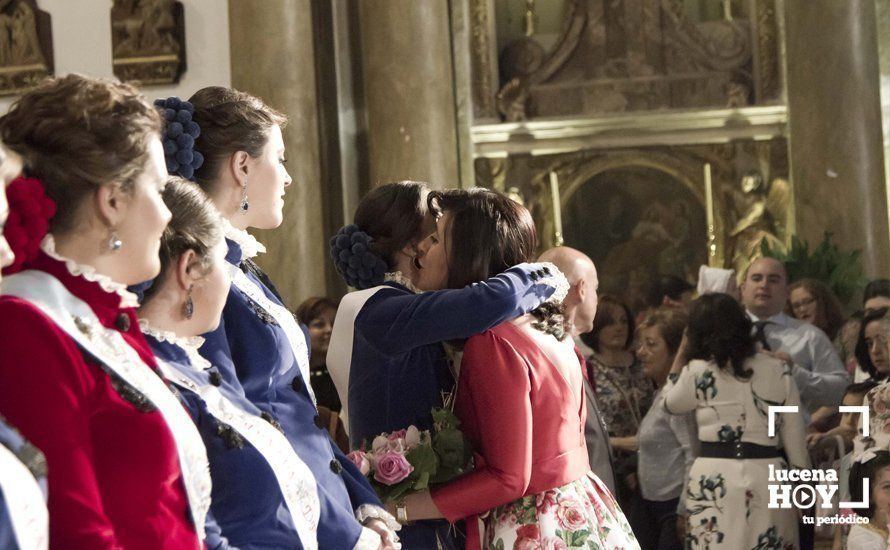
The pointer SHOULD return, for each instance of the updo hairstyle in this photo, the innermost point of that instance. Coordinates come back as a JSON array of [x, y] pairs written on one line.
[[195, 225], [230, 121], [77, 133]]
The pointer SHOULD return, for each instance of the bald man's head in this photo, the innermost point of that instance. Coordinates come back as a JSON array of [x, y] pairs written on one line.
[[580, 304], [765, 290]]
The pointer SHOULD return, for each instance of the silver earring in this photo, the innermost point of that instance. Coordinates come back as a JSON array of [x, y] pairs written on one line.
[[114, 243], [189, 308], [244, 205]]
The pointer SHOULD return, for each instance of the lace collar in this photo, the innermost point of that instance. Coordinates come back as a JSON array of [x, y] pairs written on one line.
[[250, 247], [399, 278], [188, 344], [128, 299]]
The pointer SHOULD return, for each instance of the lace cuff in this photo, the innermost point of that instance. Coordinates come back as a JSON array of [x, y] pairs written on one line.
[[367, 512], [368, 540], [552, 276]]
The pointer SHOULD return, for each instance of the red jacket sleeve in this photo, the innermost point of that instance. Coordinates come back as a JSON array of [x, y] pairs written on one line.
[[44, 386], [495, 395]]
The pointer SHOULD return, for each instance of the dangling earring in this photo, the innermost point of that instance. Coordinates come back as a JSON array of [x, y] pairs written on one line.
[[244, 205], [114, 243], [189, 308]]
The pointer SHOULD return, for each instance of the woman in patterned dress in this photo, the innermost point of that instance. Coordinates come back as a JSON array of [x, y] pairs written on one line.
[[730, 387], [521, 404]]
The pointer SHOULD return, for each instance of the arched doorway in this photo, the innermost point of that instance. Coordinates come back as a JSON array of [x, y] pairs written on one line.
[[637, 223]]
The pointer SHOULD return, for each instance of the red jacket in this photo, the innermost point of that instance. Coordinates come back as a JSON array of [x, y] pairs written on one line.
[[114, 476], [525, 423]]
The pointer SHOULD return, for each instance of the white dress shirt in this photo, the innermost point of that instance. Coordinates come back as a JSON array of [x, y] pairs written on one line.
[[818, 370]]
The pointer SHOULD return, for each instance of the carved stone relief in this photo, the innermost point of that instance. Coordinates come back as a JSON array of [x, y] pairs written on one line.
[[635, 55], [26, 51], [148, 40]]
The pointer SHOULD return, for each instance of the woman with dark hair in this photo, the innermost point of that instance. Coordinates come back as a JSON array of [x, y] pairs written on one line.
[[812, 302], [876, 294], [127, 467], [871, 468], [386, 354], [520, 401], [624, 393], [231, 144], [318, 314], [871, 346], [731, 387]]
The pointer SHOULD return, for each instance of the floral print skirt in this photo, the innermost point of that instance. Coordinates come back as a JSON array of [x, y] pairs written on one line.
[[727, 506], [582, 514]]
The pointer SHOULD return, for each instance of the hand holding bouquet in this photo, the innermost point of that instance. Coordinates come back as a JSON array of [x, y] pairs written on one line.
[[411, 460]]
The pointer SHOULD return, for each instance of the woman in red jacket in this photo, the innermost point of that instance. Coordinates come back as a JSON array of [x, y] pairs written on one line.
[[128, 469], [520, 400]]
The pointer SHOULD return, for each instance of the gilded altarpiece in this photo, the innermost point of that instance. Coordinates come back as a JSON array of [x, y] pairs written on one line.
[[610, 120]]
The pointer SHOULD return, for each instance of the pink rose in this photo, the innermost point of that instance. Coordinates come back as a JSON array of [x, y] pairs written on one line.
[[555, 544], [880, 406], [531, 531], [570, 514], [361, 461], [528, 537], [545, 501], [397, 435], [392, 467]]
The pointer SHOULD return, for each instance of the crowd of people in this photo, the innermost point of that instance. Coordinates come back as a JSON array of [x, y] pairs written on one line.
[[157, 392]]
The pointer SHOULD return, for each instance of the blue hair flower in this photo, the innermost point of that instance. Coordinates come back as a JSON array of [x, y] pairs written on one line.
[[354, 260], [179, 137]]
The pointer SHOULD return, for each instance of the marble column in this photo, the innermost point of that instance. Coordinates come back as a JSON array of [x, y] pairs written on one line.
[[273, 58], [835, 121], [408, 79]]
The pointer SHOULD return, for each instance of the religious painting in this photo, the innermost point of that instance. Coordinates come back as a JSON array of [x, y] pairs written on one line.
[[637, 224], [26, 48], [148, 41]]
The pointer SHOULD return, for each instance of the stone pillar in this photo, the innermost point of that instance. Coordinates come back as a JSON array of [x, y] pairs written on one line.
[[273, 58], [409, 93], [835, 121]]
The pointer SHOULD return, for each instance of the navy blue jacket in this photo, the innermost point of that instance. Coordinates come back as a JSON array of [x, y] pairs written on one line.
[[251, 350], [247, 504], [399, 369], [13, 441]]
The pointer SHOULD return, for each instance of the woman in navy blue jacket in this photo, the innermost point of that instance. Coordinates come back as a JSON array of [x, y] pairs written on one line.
[[386, 354], [263, 495], [238, 159]]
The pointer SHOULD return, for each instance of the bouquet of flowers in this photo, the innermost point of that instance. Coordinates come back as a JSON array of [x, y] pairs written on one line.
[[411, 460]]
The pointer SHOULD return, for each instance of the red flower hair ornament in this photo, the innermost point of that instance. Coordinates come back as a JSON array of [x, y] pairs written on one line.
[[30, 212]]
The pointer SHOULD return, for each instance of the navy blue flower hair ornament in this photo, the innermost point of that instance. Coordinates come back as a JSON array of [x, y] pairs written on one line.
[[359, 266], [179, 137]]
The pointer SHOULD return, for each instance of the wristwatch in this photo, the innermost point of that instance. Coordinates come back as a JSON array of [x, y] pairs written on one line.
[[402, 512]]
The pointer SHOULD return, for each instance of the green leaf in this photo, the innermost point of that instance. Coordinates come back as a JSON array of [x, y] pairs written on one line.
[[424, 460], [423, 481]]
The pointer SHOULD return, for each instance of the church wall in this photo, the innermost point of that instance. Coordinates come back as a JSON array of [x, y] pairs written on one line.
[[82, 43]]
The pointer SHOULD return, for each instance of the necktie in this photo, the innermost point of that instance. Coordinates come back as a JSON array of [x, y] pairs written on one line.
[[760, 334]]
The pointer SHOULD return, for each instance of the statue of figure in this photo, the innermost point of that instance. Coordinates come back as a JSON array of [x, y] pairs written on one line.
[[25, 47], [761, 213]]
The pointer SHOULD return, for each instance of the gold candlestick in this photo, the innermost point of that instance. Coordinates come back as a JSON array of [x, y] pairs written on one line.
[[709, 211], [557, 209]]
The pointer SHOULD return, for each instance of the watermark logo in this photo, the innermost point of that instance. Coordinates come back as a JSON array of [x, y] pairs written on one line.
[[804, 489]]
